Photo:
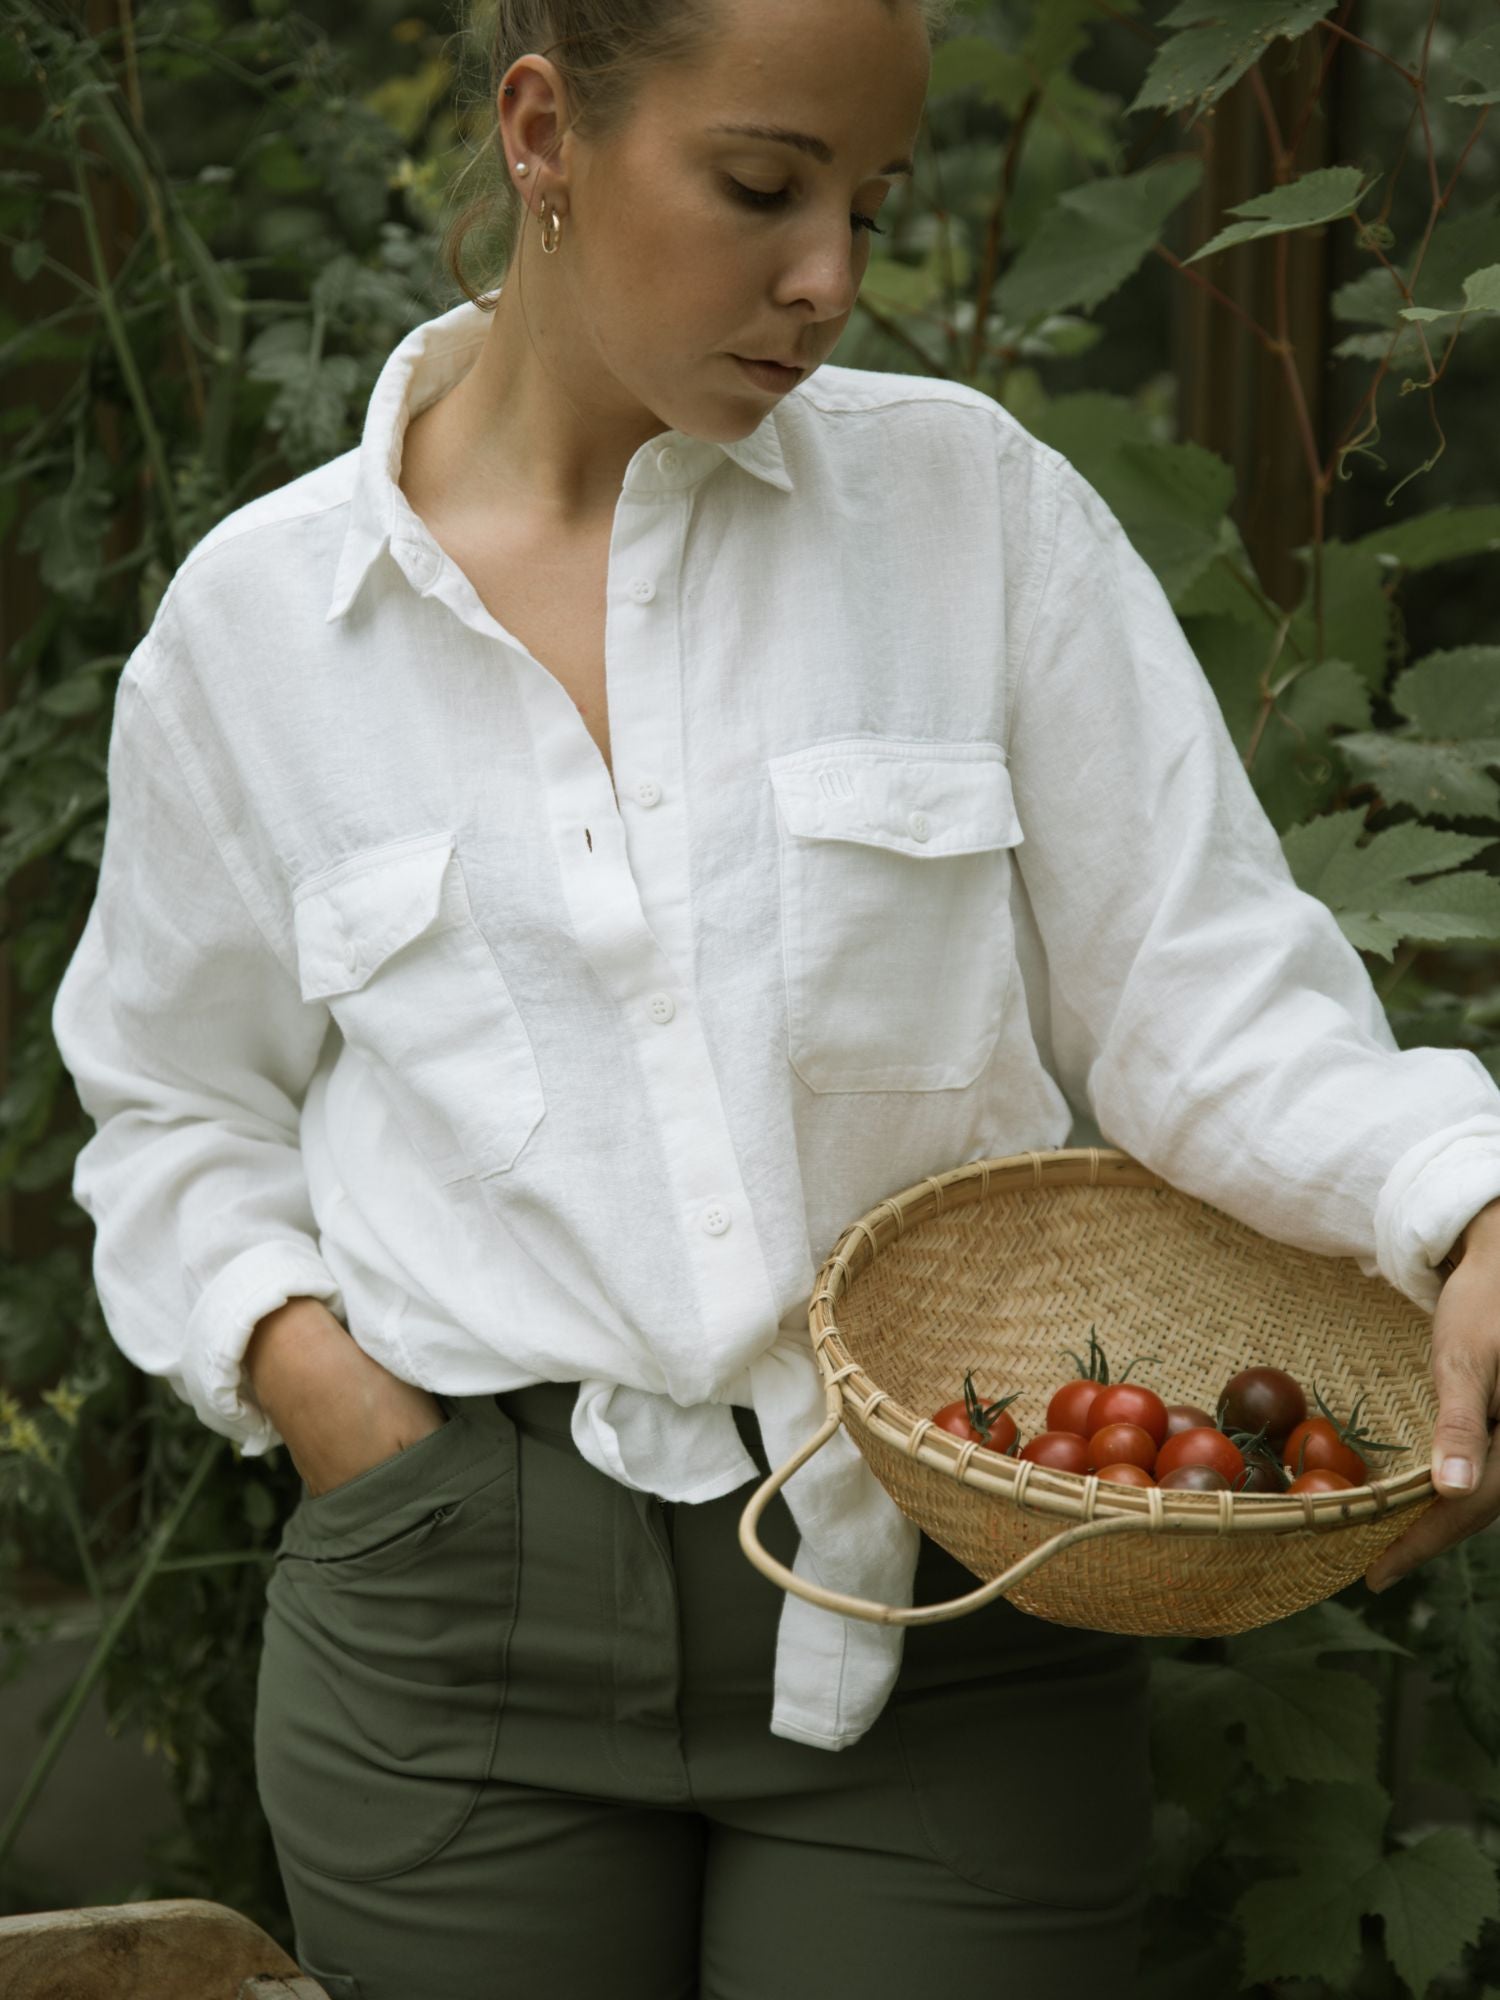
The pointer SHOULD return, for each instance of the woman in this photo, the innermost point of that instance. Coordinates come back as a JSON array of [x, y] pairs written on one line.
[[483, 1069]]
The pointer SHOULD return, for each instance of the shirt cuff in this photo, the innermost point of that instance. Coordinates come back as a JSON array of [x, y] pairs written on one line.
[[214, 1379], [1434, 1190]]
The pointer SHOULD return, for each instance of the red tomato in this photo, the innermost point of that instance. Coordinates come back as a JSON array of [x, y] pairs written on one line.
[[1195, 1479], [1315, 1445], [1126, 1473], [1129, 1403], [1069, 1408], [1321, 1479], [1203, 1446], [1188, 1417], [1122, 1444], [954, 1417], [1065, 1451]]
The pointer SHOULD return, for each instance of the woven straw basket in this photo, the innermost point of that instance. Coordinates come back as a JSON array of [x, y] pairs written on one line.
[[1000, 1265]]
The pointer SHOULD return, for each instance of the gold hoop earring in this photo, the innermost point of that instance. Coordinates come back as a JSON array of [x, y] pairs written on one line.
[[551, 236]]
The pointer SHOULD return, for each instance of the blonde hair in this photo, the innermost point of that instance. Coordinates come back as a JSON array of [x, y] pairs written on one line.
[[603, 51]]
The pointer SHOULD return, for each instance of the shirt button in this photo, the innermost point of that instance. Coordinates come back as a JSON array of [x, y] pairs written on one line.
[[648, 792], [424, 564], [643, 590], [662, 1006], [666, 458], [918, 822], [716, 1218]]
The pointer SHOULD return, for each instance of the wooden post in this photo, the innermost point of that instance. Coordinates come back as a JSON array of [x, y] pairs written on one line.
[[1234, 393]]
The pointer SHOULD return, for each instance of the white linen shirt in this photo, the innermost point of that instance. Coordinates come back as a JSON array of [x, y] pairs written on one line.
[[926, 828]]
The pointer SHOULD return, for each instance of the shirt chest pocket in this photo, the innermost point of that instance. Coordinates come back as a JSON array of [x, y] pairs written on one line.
[[895, 907], [388, 940]]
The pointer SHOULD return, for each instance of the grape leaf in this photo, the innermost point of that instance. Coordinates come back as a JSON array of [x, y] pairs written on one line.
[[1433, 1894], [1480, 57], [1372, 890], [1195, 68], [1447, 779], [1481, 295], [1319, 197], [1093, 238]]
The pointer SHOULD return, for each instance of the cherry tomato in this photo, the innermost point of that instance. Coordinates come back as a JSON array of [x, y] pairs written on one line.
[[1262, 1475], [1195, 1479], [1129, 1403], [1125, 1473], [1065, 1451], [1315, 1445], [1188, 1417], [954, 1417], [1122, 1444], [1069, 1408], [1259, 1398], [1203, 1446], [1321, 1479]]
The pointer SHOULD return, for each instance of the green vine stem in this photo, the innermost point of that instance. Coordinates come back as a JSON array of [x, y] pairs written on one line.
[[109, 1638], [125, 355]]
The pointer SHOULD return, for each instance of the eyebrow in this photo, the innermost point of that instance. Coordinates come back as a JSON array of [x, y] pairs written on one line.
[[805, 142]]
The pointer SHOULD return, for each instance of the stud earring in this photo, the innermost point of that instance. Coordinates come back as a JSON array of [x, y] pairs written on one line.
[[522, 168]]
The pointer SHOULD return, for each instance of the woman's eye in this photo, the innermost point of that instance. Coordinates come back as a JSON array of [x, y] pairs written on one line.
[[758, 198]]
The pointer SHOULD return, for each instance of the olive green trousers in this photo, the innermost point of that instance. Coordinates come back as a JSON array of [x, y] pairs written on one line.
[[512, 1741]]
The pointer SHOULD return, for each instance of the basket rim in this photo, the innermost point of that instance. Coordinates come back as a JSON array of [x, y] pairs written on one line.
[[1035, 1488]]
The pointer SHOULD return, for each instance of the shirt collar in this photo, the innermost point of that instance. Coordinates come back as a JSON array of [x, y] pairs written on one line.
[[424, 366]]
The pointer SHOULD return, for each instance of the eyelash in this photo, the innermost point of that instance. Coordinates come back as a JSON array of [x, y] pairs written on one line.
[[758, 198]]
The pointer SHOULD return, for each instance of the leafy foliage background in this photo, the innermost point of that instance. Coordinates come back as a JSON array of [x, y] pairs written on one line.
[[219, 217]]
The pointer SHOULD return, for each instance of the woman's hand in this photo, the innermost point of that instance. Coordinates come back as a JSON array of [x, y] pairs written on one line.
[[1466, 1374], [338, 1410]]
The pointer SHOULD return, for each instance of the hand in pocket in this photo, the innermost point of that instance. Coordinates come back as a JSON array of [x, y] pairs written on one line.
[[339, 1411]]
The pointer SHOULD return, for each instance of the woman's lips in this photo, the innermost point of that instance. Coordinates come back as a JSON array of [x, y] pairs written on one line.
[[769, 374]]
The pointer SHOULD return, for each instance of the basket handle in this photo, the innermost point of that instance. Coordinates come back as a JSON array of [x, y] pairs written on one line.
[[887, 1614]]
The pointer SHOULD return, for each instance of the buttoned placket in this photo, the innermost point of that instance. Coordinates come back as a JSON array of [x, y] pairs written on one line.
[[623, 859]]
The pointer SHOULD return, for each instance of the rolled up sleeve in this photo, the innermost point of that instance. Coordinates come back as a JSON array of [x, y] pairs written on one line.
[[190, 1047], [1213, 1015]]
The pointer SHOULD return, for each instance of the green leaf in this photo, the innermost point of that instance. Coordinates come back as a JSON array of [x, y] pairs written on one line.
[[1446, 779], [1319, 197], [279, 166], [1059, 32], [1328, 1627], [1481, 295], [27, 258], [1480, 57], [1453, 693], [1093, 238], [969, 62], [1088, 428], [1194, 69], [1434, 1894], [1371, 889], [1357, 614], [69, 526], [259, 1506], [1442, 534], [1462, 1589], [1299, 1718], [1307, 1925], [1295, 772]]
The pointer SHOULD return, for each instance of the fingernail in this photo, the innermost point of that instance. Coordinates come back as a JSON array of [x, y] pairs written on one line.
[[1458, 1472], [1384, 1584]]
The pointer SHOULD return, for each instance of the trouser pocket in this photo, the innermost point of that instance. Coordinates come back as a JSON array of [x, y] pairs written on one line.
[[1036, 1784], [383, 1671]]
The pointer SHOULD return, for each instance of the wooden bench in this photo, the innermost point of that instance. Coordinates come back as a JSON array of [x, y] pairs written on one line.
[[184, 1949]]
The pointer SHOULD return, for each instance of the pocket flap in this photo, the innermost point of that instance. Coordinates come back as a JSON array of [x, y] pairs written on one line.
[[350, 922], [922, 801]]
